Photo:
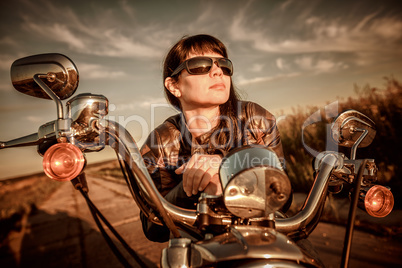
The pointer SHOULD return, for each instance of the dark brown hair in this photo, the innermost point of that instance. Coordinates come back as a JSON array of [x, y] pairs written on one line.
[[199, 44]]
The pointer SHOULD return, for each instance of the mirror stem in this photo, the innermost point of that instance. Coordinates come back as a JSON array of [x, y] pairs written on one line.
[[359, 140], [50, 93]]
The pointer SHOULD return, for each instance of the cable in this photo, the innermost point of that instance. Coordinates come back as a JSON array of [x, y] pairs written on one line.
[[96, 213], [109, 241], [149, 187], [129, 178], [352, 215]]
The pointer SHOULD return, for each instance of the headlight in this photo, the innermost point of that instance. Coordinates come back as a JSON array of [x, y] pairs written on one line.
[[254, 182]]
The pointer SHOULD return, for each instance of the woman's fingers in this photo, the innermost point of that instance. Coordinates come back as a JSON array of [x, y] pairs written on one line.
[[214, 186], [188, 178], [205, 179], [180, 170], [198, 172], [187, 184], [200, 177], [184, 169]]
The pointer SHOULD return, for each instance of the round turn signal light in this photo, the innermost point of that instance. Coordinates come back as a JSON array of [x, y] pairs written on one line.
[[63, 162], [379, 201]]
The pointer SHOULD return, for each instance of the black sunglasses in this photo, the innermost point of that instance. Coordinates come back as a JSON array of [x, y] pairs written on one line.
[[203, 65]]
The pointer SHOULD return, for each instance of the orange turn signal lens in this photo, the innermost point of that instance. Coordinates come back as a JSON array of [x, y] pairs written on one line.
[[63, 162], [379, 201]]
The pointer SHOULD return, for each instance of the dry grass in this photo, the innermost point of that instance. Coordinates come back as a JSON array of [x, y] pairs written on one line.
[[383, 106]]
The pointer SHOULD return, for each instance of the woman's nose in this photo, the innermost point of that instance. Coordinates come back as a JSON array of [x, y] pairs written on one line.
[[216, 70]]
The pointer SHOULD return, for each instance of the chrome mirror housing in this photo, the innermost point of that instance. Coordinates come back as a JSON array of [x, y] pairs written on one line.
[[348, 127], [353, 129], [254, 182], [56, 71]]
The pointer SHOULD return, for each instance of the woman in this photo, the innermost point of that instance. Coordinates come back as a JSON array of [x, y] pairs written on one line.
[[183, 154]]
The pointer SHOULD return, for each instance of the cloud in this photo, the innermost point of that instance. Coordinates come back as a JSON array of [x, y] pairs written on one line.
[[310, 33], [94, 71], [6, 61], [56, 32], [154, 102], [308, 63], [140, 104], [7, 40], [102, 42], [34, 119], [388, 28], [243, 81], [6, 87], [103, 33], [313, 39], [285, 5], [127, 8], [281, 64], [257, 67]]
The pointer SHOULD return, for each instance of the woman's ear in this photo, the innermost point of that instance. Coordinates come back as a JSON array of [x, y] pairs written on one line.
[[172, 86]]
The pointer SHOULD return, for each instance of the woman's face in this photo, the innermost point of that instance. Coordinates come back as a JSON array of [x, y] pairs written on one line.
[[203, 91]]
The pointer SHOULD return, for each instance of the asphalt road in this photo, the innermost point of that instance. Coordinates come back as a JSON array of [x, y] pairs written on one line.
[[62, 233]]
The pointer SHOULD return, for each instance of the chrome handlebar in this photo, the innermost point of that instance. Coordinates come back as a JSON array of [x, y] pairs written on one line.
[[314, 204], [128, 150], [46, 131]]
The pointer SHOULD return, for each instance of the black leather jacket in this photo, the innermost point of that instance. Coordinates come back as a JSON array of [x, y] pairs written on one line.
[[171, 144]]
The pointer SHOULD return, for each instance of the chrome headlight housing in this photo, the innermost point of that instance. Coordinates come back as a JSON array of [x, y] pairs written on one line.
[[254, 182]]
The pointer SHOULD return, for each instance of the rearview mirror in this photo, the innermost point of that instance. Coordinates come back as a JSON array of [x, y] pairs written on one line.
[[59, 74], [352, 128]]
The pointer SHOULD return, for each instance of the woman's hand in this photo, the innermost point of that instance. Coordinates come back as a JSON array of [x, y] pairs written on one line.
[[201, 174]]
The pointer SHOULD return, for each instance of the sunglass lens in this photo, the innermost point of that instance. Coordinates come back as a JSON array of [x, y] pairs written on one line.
[[199, 65], [226, 66]]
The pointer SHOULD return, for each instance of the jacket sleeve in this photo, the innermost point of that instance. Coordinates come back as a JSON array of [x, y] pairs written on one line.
[[157, 163], [166, 181], [153, 160], [262, 129]]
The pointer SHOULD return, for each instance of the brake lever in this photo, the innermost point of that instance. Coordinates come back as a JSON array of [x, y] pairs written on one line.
[[29, 140], [46, 131]]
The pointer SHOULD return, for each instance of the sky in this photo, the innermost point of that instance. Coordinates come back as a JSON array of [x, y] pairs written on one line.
[[286, 54]]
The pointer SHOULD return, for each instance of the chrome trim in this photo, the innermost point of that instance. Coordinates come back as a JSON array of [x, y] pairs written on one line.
[[357, 143], [314, 201], [50, 93], [85, 111], [254, 244]]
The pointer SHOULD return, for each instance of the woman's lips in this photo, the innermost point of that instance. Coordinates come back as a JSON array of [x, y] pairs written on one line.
[[218, 86]]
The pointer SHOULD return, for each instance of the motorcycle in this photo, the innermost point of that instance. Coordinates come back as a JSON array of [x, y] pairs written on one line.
[[243, 227]]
